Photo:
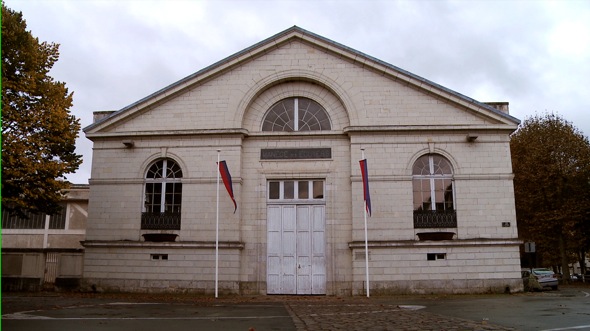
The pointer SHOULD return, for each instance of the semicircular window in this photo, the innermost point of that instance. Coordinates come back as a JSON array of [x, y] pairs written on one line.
[[296, 114]]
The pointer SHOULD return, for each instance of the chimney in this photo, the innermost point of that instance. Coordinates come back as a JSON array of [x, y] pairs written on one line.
[[501, 106], [99, 115]]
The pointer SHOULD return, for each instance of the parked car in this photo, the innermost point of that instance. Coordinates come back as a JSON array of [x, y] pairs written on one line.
[[545, 277]]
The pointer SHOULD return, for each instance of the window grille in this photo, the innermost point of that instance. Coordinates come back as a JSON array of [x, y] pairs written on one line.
[[33, 221], [58, 221], [30, 221]]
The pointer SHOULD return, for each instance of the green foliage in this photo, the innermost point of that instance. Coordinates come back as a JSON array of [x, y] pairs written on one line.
[[551, 164], [38, 131]]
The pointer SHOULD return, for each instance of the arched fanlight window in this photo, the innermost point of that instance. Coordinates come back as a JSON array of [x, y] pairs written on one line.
[[433, 191], [296, 114], [432, 179], [163, 196]]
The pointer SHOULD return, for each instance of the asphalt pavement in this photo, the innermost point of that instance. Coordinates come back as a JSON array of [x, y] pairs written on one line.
[[565, 309]]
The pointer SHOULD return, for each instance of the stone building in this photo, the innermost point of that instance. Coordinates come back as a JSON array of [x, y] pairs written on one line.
[[45, 251], [290, 116]]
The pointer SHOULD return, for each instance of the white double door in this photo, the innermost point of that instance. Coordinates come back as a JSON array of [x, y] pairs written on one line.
[[296, 259]]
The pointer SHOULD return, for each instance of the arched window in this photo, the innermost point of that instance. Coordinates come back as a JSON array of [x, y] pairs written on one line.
[[163, 196], [296, 114], [434, 202]]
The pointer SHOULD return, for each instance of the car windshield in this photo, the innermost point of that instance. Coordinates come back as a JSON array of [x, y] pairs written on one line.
[[542, 271]]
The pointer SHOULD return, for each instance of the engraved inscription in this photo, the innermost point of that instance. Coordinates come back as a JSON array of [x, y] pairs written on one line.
[[295, 153]]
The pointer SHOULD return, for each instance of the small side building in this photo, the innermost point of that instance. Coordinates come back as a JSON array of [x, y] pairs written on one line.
[[43, 251]]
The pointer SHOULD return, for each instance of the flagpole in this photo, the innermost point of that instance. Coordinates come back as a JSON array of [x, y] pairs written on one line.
[[366, 240], [217, 230]]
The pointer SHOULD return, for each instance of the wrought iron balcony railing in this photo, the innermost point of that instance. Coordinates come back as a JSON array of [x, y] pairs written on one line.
[[435, 219], [160, 221]]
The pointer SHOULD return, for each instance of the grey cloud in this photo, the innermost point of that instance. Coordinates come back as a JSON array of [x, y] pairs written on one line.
[[112, 55]]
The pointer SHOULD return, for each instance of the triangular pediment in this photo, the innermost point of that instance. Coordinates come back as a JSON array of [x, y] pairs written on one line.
[[373, 92]]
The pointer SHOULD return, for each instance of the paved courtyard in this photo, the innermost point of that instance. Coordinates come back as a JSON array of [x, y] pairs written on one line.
[[566, 309], [371, 315]]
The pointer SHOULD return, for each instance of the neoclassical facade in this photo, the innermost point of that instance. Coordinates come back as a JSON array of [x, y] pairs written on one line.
[[290, 116]]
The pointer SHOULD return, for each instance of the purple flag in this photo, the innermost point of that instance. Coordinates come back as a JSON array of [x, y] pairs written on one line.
[[225, 175], [366, 194]]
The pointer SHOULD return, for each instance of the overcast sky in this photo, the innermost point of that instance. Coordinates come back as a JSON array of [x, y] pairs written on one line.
[[533, 54]]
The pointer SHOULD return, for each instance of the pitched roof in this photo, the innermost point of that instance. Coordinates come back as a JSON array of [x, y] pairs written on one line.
[[280, 38]]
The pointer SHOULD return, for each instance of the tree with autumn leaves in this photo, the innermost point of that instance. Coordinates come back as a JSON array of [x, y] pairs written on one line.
[[551, 165], [38, 131]]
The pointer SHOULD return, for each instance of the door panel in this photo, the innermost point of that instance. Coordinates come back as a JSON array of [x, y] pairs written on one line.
[[273, 261], [318, 249], [296, 249], [303, 251], [289, 250]]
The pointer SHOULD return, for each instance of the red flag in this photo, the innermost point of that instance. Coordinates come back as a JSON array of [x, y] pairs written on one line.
[[225, 175], [366, 195]]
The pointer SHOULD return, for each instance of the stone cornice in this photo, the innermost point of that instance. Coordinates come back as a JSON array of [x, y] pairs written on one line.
[[297, 135], [421, 128], [148, 244], [443, 243], [156, 133], [349, 130], [42, 250], [134, 181], [395, 178]]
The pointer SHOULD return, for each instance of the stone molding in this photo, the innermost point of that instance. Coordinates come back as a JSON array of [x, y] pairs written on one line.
[[145, 244], [445, 243], [131, 134]]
